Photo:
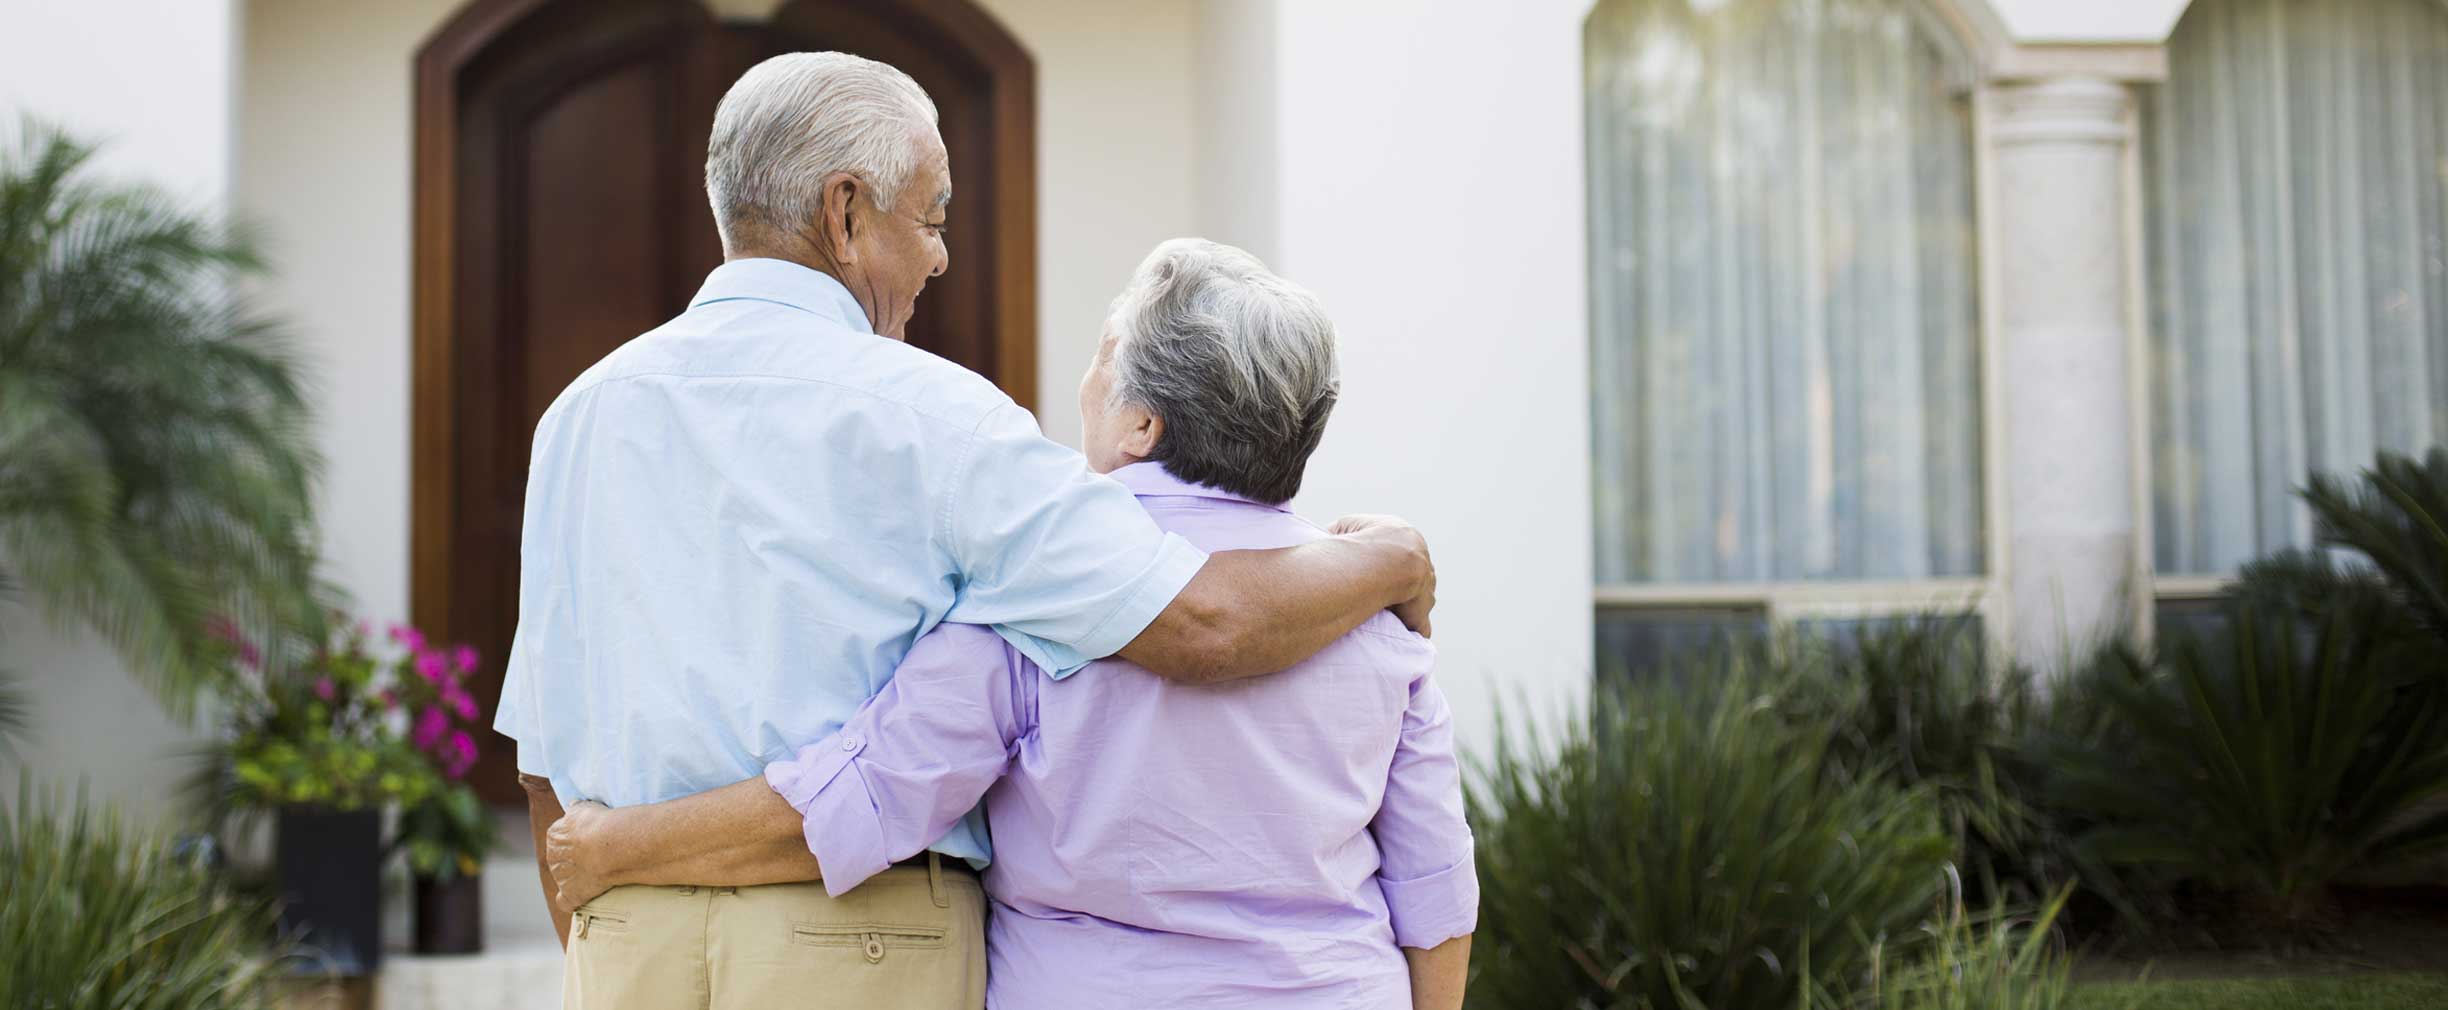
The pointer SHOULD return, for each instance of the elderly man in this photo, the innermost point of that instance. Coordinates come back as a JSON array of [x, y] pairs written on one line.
[[1262, 843], [738, 523]]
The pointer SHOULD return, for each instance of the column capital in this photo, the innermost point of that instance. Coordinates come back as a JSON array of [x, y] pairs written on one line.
[[2061, 110]]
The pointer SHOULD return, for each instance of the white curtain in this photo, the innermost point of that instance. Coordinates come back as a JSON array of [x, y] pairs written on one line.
[[1783, 329], [2297, 168]]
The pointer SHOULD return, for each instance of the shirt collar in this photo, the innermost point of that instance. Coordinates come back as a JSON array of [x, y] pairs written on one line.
[[1149, 480], [784, 283]]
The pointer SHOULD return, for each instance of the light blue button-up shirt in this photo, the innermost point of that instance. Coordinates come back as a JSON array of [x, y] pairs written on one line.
[[738, 523]]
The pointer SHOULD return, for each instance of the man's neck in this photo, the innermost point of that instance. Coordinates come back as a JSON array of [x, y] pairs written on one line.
[[794, 249], [802, 254]]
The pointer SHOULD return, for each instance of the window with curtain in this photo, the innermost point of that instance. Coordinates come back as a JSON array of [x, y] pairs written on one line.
[[2296, 168], [1782, 301]]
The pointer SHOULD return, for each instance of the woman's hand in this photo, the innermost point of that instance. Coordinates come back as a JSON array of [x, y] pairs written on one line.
[[577, 851]]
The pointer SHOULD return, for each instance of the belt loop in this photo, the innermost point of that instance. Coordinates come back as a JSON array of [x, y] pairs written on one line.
[[935, 884]]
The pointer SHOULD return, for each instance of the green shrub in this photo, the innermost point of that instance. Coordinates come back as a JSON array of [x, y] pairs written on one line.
[[2265, 760], [95, 916], [1688, 846], [1923, 703]]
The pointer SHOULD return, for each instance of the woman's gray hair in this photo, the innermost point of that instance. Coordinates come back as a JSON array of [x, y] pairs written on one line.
[[1240, 364], [794, 119]]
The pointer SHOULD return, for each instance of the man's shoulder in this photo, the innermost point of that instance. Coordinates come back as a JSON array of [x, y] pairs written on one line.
[[790, 354]]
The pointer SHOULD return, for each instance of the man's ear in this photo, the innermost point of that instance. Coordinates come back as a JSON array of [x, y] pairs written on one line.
[[836, 228]]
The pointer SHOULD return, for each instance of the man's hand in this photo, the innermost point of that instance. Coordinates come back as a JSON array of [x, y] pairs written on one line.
[[574, 850], [1392, 530]]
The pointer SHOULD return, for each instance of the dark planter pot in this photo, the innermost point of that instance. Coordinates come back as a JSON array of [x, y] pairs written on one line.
[[331, 886], [450, 914]]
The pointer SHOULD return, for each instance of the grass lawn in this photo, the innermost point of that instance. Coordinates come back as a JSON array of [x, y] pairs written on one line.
[[2331, 992]]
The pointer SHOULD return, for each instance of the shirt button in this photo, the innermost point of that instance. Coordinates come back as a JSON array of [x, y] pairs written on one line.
[[850, 743]]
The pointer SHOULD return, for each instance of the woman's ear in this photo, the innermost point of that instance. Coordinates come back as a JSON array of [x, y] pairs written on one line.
[[1141, 431]]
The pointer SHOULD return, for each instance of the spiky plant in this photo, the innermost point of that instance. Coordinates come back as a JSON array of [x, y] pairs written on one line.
[[1691, 847], [1988, 961], [96, 916], [2394, 520], [2398, 518], [154, 453], [2266, 760], [1924, 703]]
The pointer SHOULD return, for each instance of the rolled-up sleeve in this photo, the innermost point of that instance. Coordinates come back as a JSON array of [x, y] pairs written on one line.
[[1423, 843], [914, 759], [1062, 562]]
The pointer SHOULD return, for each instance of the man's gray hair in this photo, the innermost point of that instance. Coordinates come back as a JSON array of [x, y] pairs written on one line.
[[1240, 364], [794, 119]]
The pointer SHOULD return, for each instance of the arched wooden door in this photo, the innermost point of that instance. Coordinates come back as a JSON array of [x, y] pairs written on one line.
[[561, 210]]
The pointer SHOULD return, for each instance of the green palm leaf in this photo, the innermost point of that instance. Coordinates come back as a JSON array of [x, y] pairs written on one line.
[[2398, 518], [156, 464]]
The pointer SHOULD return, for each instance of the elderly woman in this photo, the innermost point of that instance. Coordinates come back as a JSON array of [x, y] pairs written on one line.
[[1290, 841]]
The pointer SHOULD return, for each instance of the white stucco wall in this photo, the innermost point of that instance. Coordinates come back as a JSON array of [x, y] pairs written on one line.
[[324, 169], [1239, 167], [151, 81], [1115, 149], [1430, 191]]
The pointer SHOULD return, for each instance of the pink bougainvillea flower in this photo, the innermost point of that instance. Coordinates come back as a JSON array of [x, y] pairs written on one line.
[[389, 699], [251, 657], [429, 665], [431, 725], [465, 658], [410, 637], [461, 755], [325, 689], [458, 700]]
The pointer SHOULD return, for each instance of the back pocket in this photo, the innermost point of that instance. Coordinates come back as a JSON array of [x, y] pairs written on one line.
[[873, 941]]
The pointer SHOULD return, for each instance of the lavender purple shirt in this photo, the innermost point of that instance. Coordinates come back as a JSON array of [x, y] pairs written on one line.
[[1271, 841]]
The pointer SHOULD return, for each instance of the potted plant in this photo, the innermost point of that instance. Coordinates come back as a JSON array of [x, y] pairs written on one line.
[[316, 742], [446, 838], [448, 833]]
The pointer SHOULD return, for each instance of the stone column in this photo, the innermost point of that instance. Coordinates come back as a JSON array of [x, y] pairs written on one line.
[[2059, 147]]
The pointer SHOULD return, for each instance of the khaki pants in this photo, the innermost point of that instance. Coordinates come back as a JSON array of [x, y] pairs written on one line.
[[911, 937]]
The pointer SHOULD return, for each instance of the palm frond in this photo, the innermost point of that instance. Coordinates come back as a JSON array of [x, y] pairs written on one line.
[[2397, 516], [14, 711], [156, 461]]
